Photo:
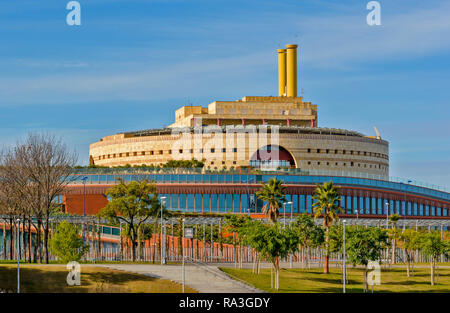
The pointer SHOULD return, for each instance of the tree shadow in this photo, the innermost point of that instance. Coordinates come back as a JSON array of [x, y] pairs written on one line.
[[34, 280]]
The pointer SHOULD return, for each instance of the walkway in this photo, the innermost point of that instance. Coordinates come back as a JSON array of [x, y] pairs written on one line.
[[203, 278]]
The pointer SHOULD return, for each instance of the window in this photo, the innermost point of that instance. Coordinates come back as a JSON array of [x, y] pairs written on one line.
[[160, 152], [343, 152], [318, 150], [309, 162], [223, 162], [351, 164], [180, 151], [170, 151], [309, 150], [212, 162], [224, 150], [234, 162], [234, 149], [328, 151], [212, 150], [318, 163], [335, 152]]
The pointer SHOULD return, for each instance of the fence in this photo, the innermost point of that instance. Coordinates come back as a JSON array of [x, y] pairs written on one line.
[[194, 249]]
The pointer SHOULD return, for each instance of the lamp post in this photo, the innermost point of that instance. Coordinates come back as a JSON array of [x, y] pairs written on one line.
[[17, 253], [249, 180], [343, 222], [406, 204], [387, 215], [121, 241], [163, 261], [182, 266], [84, 205], [284, 213]]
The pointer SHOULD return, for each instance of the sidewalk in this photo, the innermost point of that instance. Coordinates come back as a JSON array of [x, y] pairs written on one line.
[[200, 278]]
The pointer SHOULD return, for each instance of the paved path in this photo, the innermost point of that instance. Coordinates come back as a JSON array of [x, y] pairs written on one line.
[[199, 277]]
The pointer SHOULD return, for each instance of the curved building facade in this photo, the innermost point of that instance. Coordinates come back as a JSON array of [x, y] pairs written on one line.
[[300, 147], [193, 192]]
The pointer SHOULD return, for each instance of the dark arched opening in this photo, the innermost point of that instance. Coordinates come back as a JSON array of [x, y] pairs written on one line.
[[272, 156]]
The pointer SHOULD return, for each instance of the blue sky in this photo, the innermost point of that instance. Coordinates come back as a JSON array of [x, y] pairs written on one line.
[[133, 62]]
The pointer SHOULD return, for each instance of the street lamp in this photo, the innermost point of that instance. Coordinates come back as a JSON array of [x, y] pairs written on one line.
[[121, 241], [343, 222], [183, 276], [163, 261], [284, 213], [387, 215], [17, 253], [248, 181], [84, 205]]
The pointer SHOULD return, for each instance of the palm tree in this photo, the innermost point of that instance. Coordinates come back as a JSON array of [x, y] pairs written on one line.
[[273, 193], [327, 205], [393, 219]]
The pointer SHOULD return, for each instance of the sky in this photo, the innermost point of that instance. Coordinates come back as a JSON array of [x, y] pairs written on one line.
[[131, 63]]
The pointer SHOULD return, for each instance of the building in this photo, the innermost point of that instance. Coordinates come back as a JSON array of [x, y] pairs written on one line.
[[366, 196], [278, 136], [273, 132]]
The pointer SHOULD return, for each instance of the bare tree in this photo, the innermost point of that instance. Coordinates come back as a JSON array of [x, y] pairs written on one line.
[[37, 171]]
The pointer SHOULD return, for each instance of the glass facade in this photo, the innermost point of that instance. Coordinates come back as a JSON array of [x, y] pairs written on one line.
[[242, 201], [239, 203]]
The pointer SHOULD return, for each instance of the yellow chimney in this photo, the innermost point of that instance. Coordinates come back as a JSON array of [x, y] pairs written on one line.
[[281, 72], [291, 66]]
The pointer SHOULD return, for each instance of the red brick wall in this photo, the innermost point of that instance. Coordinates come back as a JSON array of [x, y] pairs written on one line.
[[73, 203]]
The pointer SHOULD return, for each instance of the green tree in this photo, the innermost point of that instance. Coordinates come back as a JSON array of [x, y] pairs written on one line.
[[363, 245], [66, 243], [273, 193], [236, 224], [411, 241], [310, 235], [274, 242], [433, 246], [133, 203], [327, 206]]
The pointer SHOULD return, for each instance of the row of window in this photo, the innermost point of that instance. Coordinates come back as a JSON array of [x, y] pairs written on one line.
[[240, 203], [351, 152], [351, 164], [157, 152]]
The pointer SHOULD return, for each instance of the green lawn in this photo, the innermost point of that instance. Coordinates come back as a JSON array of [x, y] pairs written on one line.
[[49, 279], [313, 280]]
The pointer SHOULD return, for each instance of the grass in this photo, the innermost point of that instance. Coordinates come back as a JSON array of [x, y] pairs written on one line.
[[52, 279], [314, 281]]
